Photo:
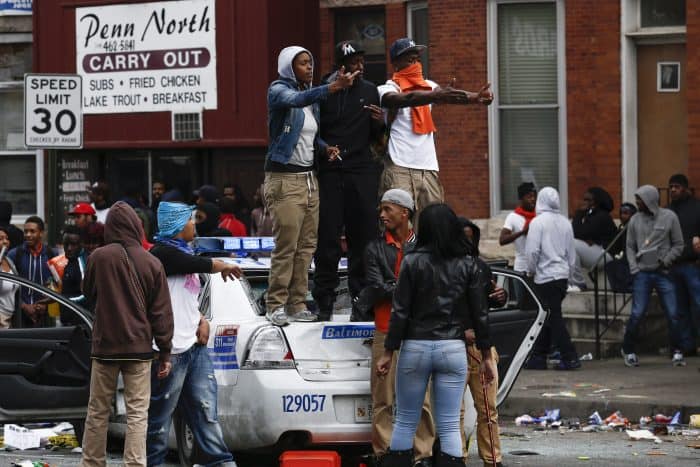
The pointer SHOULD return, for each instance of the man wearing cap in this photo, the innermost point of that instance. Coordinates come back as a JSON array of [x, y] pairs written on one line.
[[83, 214], [517, 224], [412, 163], [99, 195], [350, 120], [206, 194], [382, 263]]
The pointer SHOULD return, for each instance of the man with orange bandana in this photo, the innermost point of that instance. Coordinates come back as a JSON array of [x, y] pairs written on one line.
[[382, 263], [407, 97]]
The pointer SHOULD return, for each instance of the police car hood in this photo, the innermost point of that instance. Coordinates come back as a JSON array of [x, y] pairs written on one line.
[[332, 350]]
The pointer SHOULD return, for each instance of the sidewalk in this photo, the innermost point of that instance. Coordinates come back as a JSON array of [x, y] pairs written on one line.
[[606, 386]]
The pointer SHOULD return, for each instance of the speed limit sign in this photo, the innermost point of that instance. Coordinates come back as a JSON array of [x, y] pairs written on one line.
[[53, 116]]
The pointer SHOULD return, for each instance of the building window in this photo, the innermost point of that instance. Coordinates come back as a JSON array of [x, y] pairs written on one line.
[[367, 28], [661, 13], [417, 28], [20, 170], [529, 94]]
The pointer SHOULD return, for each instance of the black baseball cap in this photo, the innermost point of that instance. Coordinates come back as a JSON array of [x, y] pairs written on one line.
[[403, 45], [346, 49]]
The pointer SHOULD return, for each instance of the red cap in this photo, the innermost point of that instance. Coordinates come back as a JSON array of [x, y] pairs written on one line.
[[82, 208]]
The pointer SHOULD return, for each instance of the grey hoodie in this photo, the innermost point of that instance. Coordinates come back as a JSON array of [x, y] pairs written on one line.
[[549, 248], [286, 58], [654, 239]]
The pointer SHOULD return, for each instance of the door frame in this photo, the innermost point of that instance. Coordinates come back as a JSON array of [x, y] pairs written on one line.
[[632, 35]]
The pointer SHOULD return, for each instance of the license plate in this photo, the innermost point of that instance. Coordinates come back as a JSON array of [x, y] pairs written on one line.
[[363, 409]]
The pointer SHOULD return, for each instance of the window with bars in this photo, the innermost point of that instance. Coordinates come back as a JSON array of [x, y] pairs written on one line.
[[187, 126]]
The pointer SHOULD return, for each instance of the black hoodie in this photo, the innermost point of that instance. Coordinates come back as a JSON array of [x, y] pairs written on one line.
[[15, 234]]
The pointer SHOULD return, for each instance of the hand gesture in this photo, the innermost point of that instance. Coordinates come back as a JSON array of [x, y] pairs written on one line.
[[450, 95], [345, 80], [376, 112], [498, 295], [333, 153], [231, 271], [485, 96]]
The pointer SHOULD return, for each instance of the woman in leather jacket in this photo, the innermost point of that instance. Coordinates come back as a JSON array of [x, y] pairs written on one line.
[[438, 296]]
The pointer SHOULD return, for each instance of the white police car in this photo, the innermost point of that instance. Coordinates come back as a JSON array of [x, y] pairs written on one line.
[[303, 384]]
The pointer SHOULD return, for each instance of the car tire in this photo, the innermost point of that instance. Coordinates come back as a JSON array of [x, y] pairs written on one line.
[[187, 450]]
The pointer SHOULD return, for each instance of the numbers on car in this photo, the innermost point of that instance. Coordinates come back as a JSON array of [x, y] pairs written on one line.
[[292, 403]]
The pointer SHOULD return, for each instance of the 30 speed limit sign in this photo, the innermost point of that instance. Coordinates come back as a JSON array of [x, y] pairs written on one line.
[[53, 116]]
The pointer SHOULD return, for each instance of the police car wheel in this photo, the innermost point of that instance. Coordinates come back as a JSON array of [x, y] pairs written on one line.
[[187, 450]]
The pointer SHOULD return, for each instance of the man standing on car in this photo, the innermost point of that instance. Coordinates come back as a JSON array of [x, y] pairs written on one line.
[[191, 385], [654, 242], [127, 289], [382, 263], [350, 120], [412, 163]]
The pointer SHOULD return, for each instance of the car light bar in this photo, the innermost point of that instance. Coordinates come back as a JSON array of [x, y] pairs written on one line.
[[242, 246]]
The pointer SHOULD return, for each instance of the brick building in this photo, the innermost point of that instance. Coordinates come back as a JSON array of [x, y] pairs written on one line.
[[588, 92]]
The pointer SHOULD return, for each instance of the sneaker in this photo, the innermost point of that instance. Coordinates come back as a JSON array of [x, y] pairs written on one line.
[[278, 317], [303, 316], [573, 288], [678, 359], [568, 365], [630, 358], [536, 362]]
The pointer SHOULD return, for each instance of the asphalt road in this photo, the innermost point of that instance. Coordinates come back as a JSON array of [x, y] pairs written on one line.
[[522, 446]]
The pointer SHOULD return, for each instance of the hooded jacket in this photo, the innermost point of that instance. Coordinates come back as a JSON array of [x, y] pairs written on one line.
[[15, 234], [596, 224], [128, 290], [285, 114], [549, 248], [209, 227], [688, 212], [654, 238]]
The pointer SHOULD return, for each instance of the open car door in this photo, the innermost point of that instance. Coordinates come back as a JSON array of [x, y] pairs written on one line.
[[45, 371], [514, 327]]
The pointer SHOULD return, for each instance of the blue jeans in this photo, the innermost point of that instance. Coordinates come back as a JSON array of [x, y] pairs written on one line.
[[686, 277], [191, 387], [446, 363], [644, 282]]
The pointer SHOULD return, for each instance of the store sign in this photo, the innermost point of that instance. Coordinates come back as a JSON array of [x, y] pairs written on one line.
[[147, 57], [52, 113], [15, 7]]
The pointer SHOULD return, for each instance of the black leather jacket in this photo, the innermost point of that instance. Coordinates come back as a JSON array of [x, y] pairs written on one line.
[[438, 300]]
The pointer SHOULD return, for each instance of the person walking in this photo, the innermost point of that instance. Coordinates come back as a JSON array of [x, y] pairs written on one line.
[[191, 386], [128, 292], [439, 295], [551, 258], [382, 265], [291, 187], [654, 242], [412, 163], [350, 120], [517, 224]]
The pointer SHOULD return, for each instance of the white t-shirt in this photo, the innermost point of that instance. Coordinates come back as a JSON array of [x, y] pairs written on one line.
[[406, 148], [7, 296], [184, 293], [100, 214], [303, 154], [515, 223]]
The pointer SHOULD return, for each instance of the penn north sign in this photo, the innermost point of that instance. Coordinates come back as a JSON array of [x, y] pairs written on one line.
[[147, 57]]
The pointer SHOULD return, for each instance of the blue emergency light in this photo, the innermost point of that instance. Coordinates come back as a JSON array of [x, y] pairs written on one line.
[[241, 246]]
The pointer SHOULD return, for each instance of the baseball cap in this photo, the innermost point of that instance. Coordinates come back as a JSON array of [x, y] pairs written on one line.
[[82, 208], [403, 45], [208, 192], [399, 197], [345, 49]]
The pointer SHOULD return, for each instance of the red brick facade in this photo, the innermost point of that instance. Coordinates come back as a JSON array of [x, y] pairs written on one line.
[[692, 76]]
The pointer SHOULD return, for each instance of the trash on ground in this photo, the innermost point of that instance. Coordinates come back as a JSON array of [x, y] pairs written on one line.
[[616, 420], [600, 391], [28, 463], [586, 357], [632, 396], [694, 446], [695, 421], [690, 433], [524, 453], [21, 438], [549, 416], [645, 421], [583, 458], [638, 435], [595, 419], [559, 394], [656, 453]]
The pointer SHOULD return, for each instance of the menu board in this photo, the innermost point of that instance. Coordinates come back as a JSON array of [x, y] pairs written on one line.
[[76, 173]]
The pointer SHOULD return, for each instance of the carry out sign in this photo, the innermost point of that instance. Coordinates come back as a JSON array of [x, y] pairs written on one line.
[[147, 57], [53, 116]]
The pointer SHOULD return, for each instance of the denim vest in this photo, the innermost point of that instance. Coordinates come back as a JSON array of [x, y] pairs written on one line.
[[285, 119]]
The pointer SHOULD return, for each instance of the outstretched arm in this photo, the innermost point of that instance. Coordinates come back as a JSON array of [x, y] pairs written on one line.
[[439, 95]]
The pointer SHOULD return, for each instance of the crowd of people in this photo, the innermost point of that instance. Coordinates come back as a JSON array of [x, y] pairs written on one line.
[[346, 158]]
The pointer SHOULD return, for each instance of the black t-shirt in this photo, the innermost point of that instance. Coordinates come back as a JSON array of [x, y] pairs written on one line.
[[177, 262]]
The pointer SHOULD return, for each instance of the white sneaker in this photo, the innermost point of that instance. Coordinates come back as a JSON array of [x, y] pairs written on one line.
[[573, 288], [631, 359], [278, 317], [678, 359], [303, 316]]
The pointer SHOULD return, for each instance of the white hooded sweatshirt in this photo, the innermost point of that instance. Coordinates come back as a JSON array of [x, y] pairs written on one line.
[[550, 248]]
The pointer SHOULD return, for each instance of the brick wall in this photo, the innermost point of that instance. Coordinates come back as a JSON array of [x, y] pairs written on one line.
[[692, 76], [458, 49]]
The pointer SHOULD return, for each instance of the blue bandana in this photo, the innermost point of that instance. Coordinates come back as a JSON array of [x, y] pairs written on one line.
[[172, 218]]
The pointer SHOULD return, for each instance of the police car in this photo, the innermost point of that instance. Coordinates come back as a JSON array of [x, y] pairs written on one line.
[[306, 384]]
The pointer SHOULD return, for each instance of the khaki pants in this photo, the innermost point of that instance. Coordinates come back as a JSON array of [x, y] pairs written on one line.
[[137, 394], [423, 185], [5, 320], [292, 199], [489, 443], [383, 394]]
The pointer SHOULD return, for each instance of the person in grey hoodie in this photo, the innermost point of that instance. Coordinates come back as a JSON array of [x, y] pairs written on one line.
[[291, 187], [551, 258], [654, 242]]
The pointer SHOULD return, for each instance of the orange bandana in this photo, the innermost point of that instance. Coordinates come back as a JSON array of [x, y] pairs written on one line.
[[411, 79]]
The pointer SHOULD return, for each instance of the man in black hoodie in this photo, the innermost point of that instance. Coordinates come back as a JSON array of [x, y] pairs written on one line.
[[350, 120], [686, 270], [15, 234]]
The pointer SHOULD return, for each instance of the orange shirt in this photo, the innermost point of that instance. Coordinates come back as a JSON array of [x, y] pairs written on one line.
[[382, 310]]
